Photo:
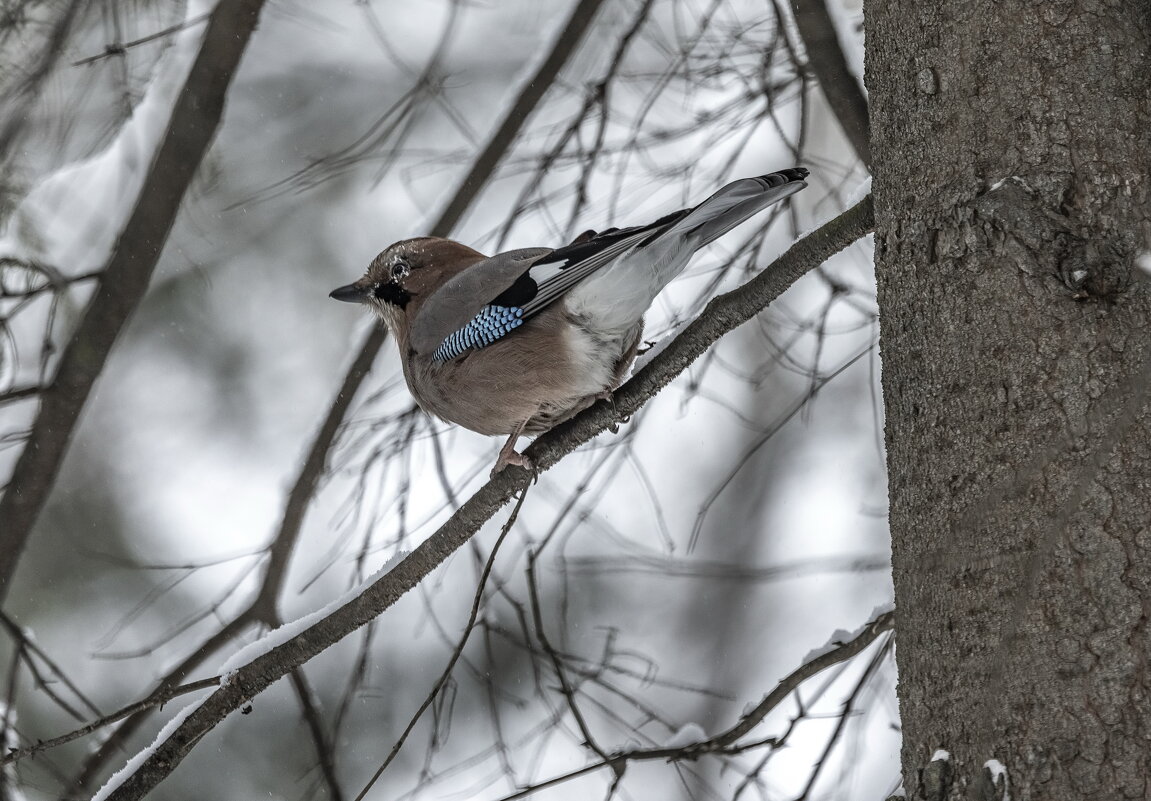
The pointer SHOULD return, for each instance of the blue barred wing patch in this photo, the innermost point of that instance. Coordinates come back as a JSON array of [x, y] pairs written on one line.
[[492, 323]]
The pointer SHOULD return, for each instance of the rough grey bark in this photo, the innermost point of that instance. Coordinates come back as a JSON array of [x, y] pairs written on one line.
[[1011, 143]]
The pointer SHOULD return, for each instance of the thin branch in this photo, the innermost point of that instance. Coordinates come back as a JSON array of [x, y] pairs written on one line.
[[304, 487], [192, 127], [840, 87], [721, 315], [137, 713], [566, 688], [726, 742], [530, 95], [29, 645], [20, 393], [117, 49], [477, 601], [844, 718], [159, 697], [310, 707]]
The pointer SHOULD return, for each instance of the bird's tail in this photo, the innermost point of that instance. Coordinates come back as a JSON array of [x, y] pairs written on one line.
[[615, 298], [734, 203]]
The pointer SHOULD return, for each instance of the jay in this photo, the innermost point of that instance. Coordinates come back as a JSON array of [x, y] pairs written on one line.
[[516, 343]]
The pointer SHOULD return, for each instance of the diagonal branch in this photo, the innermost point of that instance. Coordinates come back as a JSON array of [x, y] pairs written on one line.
[[193, 124], [726, 742], [158, 698], [840, 87], [722, 314]]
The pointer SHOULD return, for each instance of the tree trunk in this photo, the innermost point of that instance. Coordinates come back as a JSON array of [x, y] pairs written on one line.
[[1011, 143]]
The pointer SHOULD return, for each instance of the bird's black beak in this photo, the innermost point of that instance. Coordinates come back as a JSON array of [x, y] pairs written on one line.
[[352, 293]]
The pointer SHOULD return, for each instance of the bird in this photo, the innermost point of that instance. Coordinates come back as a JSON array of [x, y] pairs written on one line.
[[516, 343]]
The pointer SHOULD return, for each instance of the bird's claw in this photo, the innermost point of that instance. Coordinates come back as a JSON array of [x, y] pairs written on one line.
[[609, 396], [510, 456]]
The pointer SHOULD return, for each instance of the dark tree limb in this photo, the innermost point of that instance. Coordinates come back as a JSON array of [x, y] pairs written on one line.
[[840, 87], [193, 124], [722, 314]]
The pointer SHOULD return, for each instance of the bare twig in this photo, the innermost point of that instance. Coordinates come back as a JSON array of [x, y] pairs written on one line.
[[844, 718], [118, 49], [726, 742], [530, 95], [29, 647], [310, 708], [157, 699], [137, 712], [566, 688], [20, 393], [477, 601]]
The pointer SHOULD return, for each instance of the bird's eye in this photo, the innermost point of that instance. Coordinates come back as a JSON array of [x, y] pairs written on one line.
[[400, 268]]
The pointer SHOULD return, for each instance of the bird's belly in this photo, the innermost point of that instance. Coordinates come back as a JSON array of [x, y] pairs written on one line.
[[593, 367], [494, 390]]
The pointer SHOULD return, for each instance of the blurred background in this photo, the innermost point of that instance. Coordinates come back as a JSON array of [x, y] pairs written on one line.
[[669, 575]]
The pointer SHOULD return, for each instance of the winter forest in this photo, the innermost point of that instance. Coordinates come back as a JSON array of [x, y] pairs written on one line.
[[238, 561]]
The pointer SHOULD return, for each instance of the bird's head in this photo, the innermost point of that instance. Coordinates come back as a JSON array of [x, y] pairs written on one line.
[[404, 275]]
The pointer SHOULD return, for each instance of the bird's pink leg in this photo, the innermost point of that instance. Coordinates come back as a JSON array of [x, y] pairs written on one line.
[[509, 454]]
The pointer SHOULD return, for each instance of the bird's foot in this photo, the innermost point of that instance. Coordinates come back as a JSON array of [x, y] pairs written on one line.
[[510, 456], [609, 396]]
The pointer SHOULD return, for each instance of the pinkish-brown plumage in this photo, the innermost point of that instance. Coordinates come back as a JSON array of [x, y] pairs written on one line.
[[518, 342], [523, 384]]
